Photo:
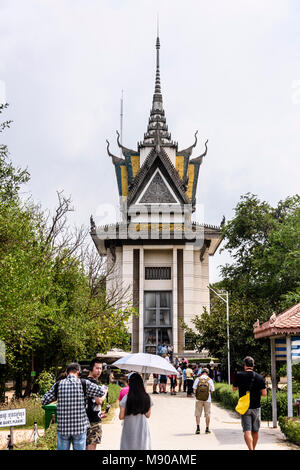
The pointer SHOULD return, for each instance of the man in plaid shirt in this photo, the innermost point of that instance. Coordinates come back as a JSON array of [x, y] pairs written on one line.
[[72, 420]]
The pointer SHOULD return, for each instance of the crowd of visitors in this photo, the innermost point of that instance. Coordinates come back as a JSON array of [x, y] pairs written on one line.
[[188, 372], [79, 402]]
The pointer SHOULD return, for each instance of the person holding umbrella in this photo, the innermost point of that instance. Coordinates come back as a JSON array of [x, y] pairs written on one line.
[[135, 408]]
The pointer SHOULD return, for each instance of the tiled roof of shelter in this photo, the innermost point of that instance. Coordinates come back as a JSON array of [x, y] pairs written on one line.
[[285, 323]]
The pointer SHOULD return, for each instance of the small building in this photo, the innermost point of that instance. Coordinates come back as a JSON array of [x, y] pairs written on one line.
[[156, 251], [284, 333]]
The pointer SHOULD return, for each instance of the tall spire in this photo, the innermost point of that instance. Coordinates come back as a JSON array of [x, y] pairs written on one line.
[[157, 78], [157, 127]]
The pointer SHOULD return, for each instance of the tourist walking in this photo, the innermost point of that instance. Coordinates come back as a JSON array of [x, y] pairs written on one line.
[[173, 383], [72, 420], [184, 367], [203, 388], [176, 362], [244, 381], [93, 411], [124, 391], [170, 352], [162, 384], [135, 408], [155, 383], [219, 374], [179, 370], [189, 381]]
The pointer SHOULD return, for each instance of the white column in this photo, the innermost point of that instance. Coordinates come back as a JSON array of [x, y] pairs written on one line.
[[274, 383], [175, 303], [289, 375], [188, 275], [141, 306]]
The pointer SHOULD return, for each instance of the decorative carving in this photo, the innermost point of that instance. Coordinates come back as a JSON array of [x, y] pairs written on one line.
[[199, 159], [157, 192], [92, 223], [273, 318], [125, 150], [188, 152], [115, 159]]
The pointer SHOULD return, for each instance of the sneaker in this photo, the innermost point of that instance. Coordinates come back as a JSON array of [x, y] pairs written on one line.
[[207, 431], [197, 431]]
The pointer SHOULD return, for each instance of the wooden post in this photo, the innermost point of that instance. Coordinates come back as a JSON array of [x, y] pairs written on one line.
[[289, 376], [274, 383], [11, 438]]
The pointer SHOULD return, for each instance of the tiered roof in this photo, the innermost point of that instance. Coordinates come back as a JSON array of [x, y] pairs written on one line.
[[129, 170]]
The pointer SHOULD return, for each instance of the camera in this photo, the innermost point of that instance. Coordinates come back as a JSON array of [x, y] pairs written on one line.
[[107, 408]]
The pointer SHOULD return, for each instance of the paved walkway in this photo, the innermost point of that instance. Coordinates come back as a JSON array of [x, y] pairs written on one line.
[[172, 427]]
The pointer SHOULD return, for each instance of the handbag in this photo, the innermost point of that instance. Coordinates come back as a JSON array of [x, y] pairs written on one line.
[[244, 402]]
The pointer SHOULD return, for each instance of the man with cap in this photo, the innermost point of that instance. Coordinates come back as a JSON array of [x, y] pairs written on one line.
[[244, 381], [203, 388]]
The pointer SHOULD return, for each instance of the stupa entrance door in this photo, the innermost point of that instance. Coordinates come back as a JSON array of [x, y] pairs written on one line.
[[157, 320]]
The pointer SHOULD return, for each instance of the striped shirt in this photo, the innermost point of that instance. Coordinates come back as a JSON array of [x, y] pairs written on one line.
[[71, 409]]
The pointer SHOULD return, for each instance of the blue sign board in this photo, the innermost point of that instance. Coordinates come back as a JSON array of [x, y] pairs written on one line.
[[280, 348], [295, 348]]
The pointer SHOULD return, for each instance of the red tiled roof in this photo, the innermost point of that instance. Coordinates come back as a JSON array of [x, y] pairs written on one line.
[[285, 323]]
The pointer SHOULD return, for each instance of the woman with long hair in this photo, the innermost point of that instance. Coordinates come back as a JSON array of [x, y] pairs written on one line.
[[135, 408]]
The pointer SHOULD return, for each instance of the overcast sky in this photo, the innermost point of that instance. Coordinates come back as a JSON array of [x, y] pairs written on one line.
[[230, 69]]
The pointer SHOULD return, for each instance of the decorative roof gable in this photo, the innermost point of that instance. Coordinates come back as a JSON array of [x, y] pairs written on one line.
[[157, 192], [153, 161]]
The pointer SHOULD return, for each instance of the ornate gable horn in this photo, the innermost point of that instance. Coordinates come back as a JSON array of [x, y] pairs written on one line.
[[199, 159], [125, 150], [115, 159], [188, 152]]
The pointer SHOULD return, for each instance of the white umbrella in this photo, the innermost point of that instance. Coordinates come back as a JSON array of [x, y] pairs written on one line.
[[146, 364]]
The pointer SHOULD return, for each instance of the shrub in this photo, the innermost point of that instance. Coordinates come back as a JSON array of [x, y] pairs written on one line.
[[290, 428], [228, 398], [45, 381], [225, 395], [295, 371], [113, 394]]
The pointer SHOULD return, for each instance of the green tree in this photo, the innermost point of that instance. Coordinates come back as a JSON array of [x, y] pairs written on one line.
[[11, 178], [209, 332], [264, 243], [54, 306]]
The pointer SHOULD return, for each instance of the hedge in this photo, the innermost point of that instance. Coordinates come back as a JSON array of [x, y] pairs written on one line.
[[290, 428], [228, 398]]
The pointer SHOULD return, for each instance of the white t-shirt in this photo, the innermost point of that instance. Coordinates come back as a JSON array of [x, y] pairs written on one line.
[[210, 383]]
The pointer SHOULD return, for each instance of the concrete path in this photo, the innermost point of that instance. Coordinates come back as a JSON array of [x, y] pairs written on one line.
[[172, 427]]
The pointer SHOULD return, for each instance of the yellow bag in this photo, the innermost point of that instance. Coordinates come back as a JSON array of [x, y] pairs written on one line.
[[243, 404]]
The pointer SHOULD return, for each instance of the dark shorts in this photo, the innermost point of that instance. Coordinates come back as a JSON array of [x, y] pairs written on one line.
[[94, 434], [251, 420]]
